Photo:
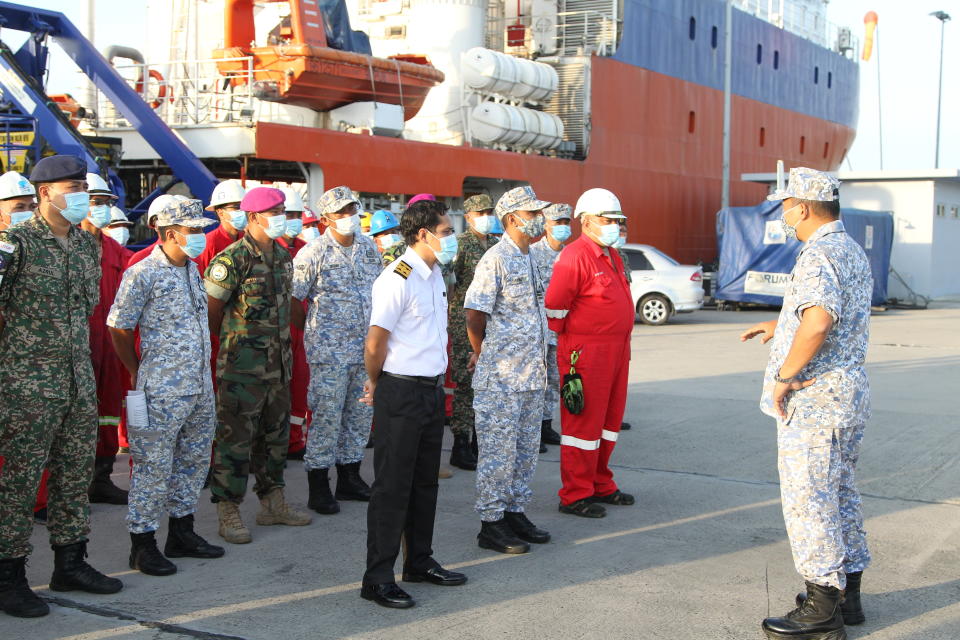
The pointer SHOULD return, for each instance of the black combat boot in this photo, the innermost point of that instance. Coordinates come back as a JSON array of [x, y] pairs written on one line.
[[462, 454], [102, 489], [499, 537], [72, 573], [16, 597], [321, 500], [474, 446], [850, 607], [520, 524], [146, 558], [350, 486], [547, 433], [184, 542], [818, 618]]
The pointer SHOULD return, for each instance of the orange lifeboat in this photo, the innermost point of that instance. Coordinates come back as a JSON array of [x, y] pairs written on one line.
[[304, 71]]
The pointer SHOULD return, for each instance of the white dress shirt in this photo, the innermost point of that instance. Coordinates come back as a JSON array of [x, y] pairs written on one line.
[[413, 308]]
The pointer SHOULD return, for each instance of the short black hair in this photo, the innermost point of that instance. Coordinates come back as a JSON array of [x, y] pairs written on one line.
[[425, 214], [824, 208]]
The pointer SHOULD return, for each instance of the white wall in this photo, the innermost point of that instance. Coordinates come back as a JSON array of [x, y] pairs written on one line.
[[945, 258]]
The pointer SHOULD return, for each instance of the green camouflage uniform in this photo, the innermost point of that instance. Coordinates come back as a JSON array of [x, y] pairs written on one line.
[[48, 397], [470, 248], [253, 367], [394, 252]]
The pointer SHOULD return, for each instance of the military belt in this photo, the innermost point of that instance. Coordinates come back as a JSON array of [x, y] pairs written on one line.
[[427, 381]]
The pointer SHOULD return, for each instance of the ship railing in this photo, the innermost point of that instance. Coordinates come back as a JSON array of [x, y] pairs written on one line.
[[577, 33], [188, 93], [808, 23]]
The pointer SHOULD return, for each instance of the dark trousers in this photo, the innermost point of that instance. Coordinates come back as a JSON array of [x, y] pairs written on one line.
[[406, 460]]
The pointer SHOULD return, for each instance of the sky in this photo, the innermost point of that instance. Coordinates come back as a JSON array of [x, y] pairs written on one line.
[[908, 62]]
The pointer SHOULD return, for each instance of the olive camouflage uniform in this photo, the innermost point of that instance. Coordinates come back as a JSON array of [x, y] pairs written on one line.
[[253, 367], [48, 404]]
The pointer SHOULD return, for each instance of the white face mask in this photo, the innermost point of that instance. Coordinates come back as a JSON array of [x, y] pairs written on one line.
[[347, 226], [389, 240], [120, 234]]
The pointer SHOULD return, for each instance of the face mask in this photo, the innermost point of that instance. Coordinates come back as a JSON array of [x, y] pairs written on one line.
[[448, 249], [533, 227], [120, 234], [560, 232], [238, 219], [790, 232], [619, 242], [608, 234], [77, 206], [19, 217], [347, 226], [482, 224], [389, 240], [294, 227], [100, 215], [310, 234], [196, 243], [276, 225]]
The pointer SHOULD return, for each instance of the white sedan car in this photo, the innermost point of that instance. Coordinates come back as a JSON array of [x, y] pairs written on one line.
[[661, 285]]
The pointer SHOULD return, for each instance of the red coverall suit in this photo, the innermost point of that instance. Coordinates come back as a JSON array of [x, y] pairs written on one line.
[[299, 410], [589, 305]]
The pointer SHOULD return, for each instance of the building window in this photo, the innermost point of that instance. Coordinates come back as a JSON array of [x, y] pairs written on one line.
[[829, 79], [763, 136], [803, 144], [941, 211], [826, 149], [776, 59], [691, 122], [759, 54], [816, 75], [693, 28], [713, 37]]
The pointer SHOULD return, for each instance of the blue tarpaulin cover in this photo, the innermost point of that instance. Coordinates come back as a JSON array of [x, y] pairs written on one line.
[[337, 27], [756, 258]]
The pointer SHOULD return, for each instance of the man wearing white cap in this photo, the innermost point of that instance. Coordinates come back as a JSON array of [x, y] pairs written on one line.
[[589, 306], [816, 387], [156, 206], [119, 227], [225, 202], [17, 199]]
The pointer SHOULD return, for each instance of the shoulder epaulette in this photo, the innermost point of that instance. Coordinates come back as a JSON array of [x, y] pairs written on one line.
[[403, 269]]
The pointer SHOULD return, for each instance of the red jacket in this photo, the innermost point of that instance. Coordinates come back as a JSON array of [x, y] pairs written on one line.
[[293, 248], [110, 374], [588, 294], [217, 241], [142, 254]]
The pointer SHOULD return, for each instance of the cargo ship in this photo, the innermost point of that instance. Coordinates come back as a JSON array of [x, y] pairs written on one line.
[[458, 97]]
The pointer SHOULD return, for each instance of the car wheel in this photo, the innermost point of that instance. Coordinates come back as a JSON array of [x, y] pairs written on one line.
[[654, 309]]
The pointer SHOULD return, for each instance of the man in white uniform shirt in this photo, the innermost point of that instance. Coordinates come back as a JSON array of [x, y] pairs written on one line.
[[406, 358]]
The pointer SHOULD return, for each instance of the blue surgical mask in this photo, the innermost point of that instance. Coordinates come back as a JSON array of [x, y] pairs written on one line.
[[294, 227], [77, 206], [238, 219], [120, 234], [482, 224], [619, 242], [532, 227], [609, 234], [790, 232], [389, 240], [276, 225], [19, 217], [310, 234], [560, 232], [100, 215], [448, 249], [196, 243]]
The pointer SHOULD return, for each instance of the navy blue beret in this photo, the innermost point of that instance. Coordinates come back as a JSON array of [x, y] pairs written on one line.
[[59, 168]]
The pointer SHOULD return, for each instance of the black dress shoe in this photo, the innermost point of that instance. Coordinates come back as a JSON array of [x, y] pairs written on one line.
[[625, 426], [387, 595], [520, 524], [436, 575]]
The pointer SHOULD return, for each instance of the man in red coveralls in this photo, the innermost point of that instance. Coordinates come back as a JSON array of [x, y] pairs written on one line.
[[290, 240], [107, 368], [588, 304]]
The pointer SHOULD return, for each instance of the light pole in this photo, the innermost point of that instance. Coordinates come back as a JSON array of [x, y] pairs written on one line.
[[942, 16]]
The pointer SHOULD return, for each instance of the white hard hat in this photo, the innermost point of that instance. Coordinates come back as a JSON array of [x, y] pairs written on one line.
[[117, 216], [598, 202], [14, 185], [97, 185], [293, 201], [160, 202], [226, 192]]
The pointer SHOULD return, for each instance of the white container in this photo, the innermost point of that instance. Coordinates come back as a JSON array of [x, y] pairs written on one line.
[[517, 127], [531, 126], [495, 72]]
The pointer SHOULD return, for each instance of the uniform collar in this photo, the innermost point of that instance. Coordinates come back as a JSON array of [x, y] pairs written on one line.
[[831, 227], [160, 258], [255, 250], [506, 239], [41, 225], [592, 246], [413, 259]]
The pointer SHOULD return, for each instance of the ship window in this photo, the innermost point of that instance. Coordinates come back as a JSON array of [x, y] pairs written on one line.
[[776, 59], [759, 53], [396, 31], [803, 144], [763, 136], [692, 122], [829, 80], [826, 149], [713, 37], [941, 211], [955, 211], [816, 75], [693, 28]]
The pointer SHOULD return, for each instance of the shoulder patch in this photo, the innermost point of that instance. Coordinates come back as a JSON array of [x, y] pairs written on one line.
[[224, 259], [403, 269], [218, 272], [6, 247]]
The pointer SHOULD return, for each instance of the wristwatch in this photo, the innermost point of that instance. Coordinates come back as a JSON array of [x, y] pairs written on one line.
[[777, 377]]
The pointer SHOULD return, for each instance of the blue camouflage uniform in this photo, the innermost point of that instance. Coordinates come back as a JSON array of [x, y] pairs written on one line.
[[337, 282], [819, 442], [171, 454], [511, 372]]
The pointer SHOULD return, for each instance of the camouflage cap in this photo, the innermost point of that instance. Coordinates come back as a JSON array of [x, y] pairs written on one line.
[[558, 211], [335, 199], [809, 184], [481, 202], [185, 213], [519, 199]]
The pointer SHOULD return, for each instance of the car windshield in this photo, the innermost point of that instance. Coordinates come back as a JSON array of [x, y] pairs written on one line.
[[663, 255]]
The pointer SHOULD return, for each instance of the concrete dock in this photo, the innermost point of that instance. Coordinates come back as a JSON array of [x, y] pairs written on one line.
[[702, 555]]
